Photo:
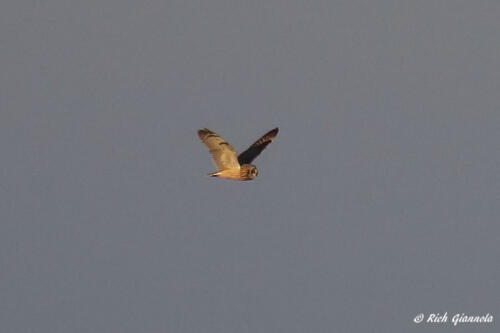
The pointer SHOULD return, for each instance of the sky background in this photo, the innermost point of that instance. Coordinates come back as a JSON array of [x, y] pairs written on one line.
[[378, 200]]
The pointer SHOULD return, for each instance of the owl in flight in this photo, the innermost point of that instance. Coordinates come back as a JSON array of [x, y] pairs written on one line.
[[229, 164]]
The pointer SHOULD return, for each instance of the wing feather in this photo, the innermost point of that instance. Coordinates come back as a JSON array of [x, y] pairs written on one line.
[[223, 154], [257, 147]]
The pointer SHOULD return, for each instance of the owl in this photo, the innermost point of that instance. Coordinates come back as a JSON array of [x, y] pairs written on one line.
[[229, 164]]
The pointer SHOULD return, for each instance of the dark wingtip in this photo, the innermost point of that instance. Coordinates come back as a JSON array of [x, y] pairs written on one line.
[[202, 132], [272, 133]]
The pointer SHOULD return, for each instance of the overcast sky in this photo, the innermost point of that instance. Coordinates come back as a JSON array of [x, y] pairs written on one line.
[[378, 200]]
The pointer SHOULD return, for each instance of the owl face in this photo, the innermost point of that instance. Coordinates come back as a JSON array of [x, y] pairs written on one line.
[[251, 171]]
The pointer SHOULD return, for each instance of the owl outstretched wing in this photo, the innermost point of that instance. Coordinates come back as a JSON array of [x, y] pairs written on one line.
[[223, 154], [257, 147]]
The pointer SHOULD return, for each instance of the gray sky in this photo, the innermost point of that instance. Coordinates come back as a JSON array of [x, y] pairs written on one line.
[[379, 199]]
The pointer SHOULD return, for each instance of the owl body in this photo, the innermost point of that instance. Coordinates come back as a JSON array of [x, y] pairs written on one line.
[[245, 172]]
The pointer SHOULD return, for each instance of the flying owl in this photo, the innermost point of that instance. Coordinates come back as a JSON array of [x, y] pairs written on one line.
[[229, 164]]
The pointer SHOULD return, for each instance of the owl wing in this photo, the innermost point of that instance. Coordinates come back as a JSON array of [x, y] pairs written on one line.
[[257, 147], [223, 154]]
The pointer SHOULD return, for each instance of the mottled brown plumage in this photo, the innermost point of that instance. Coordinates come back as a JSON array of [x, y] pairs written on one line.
[[228, 164]]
